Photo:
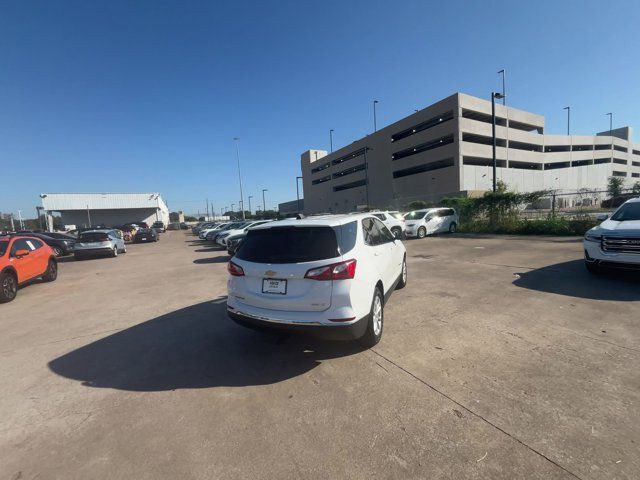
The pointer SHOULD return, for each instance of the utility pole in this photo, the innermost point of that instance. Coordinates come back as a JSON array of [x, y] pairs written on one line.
[[504, 91], [250, 197], [88, 216], [239, 176], [375, 120], [264, 203], [568, 109], [331, 139], [494, 95], [207, 209]]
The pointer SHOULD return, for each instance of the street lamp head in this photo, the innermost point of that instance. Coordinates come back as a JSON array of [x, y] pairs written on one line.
[[376, 101], [498, 96], [501, 71], [236, 138], [566, 108]]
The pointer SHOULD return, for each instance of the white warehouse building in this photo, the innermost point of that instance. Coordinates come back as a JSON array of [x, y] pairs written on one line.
[[110, 209]]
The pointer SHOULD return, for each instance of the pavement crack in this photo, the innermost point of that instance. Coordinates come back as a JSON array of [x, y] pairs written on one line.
[[477, 415]]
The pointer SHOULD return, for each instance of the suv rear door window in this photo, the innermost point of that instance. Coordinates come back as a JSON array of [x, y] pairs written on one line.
[[90, 237], [289, 245]]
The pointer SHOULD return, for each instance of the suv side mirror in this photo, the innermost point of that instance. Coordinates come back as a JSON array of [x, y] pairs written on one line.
[[602, 216], [22, 253]]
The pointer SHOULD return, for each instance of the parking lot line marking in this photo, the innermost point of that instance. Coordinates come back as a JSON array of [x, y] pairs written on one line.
[[477, 415]]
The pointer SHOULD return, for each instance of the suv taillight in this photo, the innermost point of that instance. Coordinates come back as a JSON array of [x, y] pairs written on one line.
[[336, 271], [235, 269]]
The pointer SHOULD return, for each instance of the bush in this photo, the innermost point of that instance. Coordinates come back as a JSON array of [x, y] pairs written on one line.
[[547, 226]]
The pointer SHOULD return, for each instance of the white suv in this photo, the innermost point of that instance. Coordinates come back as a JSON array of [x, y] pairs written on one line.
[[222, 238], [428, 221], [329, 275], [616, 241], [393, 220]]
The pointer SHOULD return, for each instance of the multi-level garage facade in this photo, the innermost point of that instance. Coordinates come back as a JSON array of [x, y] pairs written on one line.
[[446, 150]]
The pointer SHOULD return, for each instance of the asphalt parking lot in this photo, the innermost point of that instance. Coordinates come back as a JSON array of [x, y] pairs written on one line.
[[501, 359]]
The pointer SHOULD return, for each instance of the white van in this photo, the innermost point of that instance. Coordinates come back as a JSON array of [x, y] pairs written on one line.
[[428, 221]]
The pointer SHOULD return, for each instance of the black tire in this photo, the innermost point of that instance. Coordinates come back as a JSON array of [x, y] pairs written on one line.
[[52, 271], [57, 251], [374, 329], [453, 227], [397, 232], [8, 287], [403, 275], [114, 252], [592, 267], [422, 232]]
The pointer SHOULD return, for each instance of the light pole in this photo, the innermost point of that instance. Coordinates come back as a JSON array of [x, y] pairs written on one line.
[[568, 109], [264, 203], [494, 95], [250, 197], [375, 120], [237, 140], [366, 176], [331, 139], [221, 212], [233, 206], [610, 123], [298, 192], [504, 91]]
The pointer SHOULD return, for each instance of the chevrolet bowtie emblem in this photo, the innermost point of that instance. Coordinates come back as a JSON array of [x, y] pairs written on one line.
[[270, 273]]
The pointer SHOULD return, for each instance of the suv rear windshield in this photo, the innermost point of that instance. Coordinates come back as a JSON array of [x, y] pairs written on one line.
[[289, 245], [627, 212], [93, 237]]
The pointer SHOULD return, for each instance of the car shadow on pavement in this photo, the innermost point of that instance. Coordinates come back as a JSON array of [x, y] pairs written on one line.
[[572, 279], [210, 249], [221, 259], [195, 347]]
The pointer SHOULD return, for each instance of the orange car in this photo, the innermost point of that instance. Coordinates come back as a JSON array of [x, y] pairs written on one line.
[[24, 258]]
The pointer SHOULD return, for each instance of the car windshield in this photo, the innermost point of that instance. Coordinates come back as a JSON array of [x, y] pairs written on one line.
[[397, 215], [289, 245], [3, 247], [627, 212], [93, 237], [414, 215]]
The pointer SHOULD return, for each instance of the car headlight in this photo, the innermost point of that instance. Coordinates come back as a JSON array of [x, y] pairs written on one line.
[[593, 235]]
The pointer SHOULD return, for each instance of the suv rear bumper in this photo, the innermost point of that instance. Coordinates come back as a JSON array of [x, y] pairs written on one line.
[[350, 331]]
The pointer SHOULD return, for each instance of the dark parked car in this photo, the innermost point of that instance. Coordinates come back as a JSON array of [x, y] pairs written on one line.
[[184, 226], [146, 235], [233, 243], [60, 243], [159, 227]]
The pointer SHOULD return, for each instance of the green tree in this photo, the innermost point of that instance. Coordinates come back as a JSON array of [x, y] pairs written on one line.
[[501, 186], [614, 186], [636, 188]]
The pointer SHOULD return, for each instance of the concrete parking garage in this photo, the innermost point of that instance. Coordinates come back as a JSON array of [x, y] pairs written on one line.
[[502, 358]]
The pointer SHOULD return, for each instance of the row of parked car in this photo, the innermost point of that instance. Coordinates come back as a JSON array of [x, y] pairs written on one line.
[[28, 255], [418, 223]]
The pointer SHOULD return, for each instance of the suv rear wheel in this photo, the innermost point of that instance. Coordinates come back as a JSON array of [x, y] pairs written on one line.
[[376, 321], [403, 275], [397, 232], [452, 227], [422, 232], [114, 253]]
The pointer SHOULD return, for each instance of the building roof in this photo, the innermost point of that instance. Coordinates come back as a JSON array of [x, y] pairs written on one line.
[[100, 201]]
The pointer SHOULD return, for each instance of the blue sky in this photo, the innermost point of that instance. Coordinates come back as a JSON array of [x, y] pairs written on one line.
[[147, 96]]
